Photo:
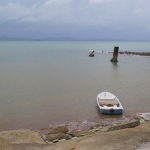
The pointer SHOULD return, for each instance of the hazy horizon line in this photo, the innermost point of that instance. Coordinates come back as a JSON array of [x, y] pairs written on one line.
[[5, 38]]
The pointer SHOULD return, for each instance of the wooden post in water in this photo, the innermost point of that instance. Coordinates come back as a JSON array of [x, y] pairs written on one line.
[[115, 54]]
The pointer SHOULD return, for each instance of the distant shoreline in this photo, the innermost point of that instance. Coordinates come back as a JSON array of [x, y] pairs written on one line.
[[3, 38]]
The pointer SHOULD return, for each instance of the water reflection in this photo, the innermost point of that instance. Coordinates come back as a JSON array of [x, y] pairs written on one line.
[[109, 119], [115, 69], [115, 65]]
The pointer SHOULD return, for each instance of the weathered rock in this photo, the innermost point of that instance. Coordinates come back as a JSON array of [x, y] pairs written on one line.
[[63, 136], [104, 130], [142, 121], [62, 140], [60, 129], [147, 119], [78, 133], [99, 129], [51, 137], [48, 142], [60, 136], [20, 137], [91, 131], [94, 126], [138, 117], [94, 130], [43, 136], [73, 138], [130, 124], [55, 141]]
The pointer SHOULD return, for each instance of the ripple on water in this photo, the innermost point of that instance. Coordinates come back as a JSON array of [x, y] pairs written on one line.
[[144, 115]]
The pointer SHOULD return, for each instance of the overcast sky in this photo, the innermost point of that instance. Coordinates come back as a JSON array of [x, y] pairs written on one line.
[[103, 19]]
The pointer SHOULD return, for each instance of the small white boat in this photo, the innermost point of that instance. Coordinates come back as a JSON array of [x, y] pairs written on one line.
[[109, 103]]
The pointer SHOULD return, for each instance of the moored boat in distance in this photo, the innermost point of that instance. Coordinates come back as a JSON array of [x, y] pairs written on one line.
[[108, 103]]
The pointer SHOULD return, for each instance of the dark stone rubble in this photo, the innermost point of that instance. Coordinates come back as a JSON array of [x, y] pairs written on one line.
[[62, 133], [136, 53]]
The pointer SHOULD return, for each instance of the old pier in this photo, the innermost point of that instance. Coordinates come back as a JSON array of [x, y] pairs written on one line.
[[115, 54]]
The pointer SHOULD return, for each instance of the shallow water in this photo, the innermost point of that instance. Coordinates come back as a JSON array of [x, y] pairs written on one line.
[[50, 83], [144, 146]]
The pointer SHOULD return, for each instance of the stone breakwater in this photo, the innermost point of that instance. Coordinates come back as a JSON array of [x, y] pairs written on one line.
[[61, 133], [136, 53]]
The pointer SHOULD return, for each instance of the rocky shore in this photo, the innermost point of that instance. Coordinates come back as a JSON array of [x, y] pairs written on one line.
[[61, 133], [124, 135]]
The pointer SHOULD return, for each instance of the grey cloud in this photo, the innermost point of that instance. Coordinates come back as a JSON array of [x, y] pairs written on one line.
[[73, 18], [50, 10]]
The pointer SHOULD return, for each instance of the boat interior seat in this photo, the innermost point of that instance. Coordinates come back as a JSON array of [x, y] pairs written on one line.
[[109, 103]]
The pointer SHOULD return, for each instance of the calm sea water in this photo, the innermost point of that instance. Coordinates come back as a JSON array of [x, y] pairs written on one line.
[[44, 83]]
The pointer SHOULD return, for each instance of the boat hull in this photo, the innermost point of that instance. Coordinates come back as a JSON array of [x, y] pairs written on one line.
[[111, 111]]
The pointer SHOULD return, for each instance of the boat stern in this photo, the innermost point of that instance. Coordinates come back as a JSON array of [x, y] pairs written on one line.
[[111, 111]]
